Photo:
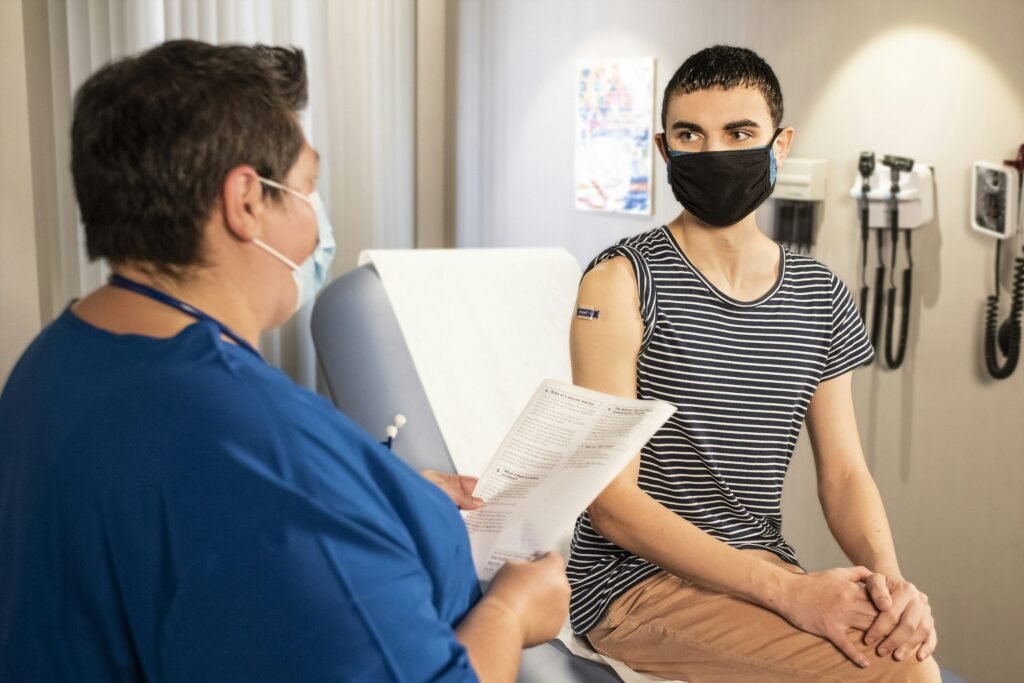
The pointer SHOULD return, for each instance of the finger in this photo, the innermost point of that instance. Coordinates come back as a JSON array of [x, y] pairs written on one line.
[[848, 648], [916, 641], [549, 557], [461, 499], [878, 589], [855, 574], [887, 620], [860, 612], [929, 646], [468, 485], [862, 603], [883, 625], [909, 621], [861, 620], [913, 643], [467, 493]]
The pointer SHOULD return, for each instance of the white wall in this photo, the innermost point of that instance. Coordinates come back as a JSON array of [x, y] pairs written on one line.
[[939, 81], [19, 297]]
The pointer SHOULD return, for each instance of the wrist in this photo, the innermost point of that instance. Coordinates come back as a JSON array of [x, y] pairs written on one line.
[[773, 588], [887, 566], [496, 610], [890, 570]]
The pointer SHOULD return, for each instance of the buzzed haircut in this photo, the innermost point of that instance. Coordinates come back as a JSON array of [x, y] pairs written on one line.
[[725, 67]]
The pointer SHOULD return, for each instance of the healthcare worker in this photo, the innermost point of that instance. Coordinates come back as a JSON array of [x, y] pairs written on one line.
[[173, 508]]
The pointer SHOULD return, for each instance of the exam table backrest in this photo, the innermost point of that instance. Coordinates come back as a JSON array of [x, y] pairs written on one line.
[[368, 369]]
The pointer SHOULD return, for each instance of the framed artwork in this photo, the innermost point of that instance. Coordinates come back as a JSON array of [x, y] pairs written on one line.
[[614, 139]]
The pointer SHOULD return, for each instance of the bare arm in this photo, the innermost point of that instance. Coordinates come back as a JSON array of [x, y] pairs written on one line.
[[492, 638], [848, 494], [856, 516]]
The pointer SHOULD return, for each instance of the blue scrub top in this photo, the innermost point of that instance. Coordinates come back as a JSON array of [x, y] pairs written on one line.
[[176, 509]]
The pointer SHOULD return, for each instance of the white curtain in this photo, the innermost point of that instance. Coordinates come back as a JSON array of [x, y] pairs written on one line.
[[360, 56]]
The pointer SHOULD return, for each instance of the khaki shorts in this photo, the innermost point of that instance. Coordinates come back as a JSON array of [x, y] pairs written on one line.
[[669, 627]]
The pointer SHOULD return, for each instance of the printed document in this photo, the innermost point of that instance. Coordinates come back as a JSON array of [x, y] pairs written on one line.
[[564, 448]]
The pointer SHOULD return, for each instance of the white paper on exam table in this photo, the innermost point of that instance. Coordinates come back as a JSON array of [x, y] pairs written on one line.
[[579, 646], [564, 448]]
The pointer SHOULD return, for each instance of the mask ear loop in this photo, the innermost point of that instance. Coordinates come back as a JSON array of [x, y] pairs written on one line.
[[669, 152], [274, 183], [305, 198], [275, 253], [774, 163], [267, 248]]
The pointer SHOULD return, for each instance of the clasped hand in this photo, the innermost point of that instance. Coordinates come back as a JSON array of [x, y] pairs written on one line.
[[890, 611], [904, 624]]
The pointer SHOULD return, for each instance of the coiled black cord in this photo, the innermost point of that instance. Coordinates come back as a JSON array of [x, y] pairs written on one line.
[[879, 299], [864, 256], [865, 291], [1005, 337], [894, 359]]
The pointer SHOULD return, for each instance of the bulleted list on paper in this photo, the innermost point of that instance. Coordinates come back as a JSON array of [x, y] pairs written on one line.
[[564, 448]]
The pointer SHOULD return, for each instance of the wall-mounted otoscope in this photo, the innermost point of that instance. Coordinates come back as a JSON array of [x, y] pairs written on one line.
[[896, 166], [997, 210], [897, 196]]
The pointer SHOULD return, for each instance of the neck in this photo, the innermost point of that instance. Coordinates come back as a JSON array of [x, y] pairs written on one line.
[[730, 251], [216, 296]]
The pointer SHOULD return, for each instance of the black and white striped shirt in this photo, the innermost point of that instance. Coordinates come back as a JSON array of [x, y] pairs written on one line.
[[741, 375]]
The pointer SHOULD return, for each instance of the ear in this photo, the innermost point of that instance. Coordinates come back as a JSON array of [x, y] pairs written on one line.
[[659, 140], [783, 143], [243, 202]]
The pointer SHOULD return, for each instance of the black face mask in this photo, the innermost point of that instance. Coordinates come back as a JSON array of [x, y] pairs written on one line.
[[722, 188]]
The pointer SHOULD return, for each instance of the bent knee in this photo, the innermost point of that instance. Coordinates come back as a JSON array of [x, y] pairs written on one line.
[[907, 671]]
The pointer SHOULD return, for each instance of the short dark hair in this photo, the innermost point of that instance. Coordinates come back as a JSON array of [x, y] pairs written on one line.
[[725, 67], [154, 135]]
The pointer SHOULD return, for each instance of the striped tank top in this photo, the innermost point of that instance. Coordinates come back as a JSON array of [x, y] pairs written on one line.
[[741, 375]]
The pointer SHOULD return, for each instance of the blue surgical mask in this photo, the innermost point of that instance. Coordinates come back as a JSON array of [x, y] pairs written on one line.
[[311, 275]]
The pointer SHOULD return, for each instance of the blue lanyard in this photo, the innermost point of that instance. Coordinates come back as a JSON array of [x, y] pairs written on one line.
[[167, 299]]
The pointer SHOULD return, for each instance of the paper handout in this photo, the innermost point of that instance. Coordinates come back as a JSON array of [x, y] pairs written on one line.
[[565, 447]]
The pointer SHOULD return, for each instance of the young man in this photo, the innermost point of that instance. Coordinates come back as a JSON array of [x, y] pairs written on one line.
[[679, 568]]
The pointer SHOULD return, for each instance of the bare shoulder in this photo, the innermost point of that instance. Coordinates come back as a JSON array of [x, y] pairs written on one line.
[[610, 281], [608, 305]]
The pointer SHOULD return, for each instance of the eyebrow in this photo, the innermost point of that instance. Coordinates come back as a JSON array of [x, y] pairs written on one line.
[[742, 123], [687, 125], [732, 125]]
